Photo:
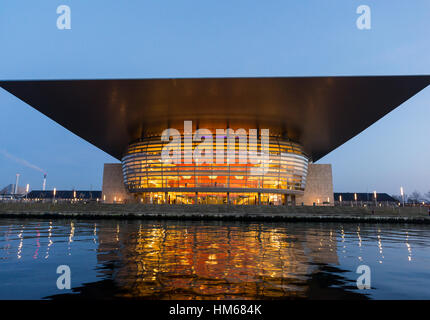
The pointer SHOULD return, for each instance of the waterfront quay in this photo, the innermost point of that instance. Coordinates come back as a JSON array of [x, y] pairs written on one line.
[[216, 212]]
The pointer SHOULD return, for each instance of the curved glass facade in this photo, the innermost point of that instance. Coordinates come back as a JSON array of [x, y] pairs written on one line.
[[144, 172]]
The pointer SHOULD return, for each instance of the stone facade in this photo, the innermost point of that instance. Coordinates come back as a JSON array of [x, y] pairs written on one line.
[[319, 186], [113, 189]]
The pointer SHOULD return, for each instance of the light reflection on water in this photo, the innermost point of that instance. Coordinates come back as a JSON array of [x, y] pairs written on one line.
[[212, 260]]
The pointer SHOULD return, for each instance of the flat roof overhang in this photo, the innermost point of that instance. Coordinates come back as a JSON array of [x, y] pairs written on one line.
[[321, 113]]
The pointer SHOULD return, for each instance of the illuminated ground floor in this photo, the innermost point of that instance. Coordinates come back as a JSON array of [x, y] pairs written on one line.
[[252, 198], [318, 191]]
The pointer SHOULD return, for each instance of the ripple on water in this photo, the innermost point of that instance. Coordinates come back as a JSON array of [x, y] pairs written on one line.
[[212, 260]]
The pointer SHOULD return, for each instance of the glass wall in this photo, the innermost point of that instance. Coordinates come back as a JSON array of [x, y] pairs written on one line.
[[144, 169], [250, 198]]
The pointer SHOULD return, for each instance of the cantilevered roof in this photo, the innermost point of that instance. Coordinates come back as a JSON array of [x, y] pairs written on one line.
[[321, 113]]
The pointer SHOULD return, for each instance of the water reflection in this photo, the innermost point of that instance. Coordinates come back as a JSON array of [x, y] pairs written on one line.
[[205, 260], [215, 261], [409, 247], [50, 242]]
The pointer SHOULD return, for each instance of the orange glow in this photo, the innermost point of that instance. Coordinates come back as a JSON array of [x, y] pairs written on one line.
[[143, 169]]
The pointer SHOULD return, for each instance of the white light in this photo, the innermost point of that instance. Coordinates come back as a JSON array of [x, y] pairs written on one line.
[[401, 191], [55, 191], [27, 188]]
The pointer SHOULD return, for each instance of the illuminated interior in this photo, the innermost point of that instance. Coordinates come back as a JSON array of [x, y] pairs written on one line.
[[153, 181]]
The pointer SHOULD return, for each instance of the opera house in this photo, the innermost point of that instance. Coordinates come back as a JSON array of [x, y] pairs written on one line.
[[224, 120]]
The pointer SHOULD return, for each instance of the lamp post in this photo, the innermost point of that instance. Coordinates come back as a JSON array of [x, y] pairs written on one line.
[[355, 198], [15, 191], [27, 188], [403, 196], [376, 200], [340, 200], [54, 192]]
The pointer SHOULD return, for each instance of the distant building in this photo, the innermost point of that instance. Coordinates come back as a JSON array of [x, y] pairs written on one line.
[[351, 198], [65, 195], [10, 190]]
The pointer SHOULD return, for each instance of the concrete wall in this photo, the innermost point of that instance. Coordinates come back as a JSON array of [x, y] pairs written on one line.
[[319, 186], [113, 184]]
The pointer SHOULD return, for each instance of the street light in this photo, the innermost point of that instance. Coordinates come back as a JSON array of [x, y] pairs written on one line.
[[403, 196], [54, 192], [340, 200], [355, 198], [15, 190], [27, 188], [376, 201]]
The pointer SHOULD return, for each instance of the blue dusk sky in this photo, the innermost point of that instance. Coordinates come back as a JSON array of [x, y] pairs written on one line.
[[223, 38]]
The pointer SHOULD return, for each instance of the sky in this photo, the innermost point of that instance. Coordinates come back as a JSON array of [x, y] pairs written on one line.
[[223, 38]]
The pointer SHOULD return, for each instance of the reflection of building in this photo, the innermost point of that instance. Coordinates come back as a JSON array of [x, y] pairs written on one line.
[[215, 261], [306, 117]]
